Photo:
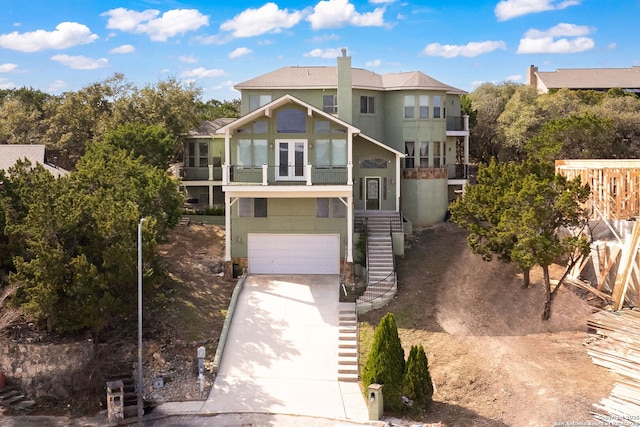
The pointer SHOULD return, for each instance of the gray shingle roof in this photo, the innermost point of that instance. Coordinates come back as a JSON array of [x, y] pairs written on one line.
[[327, 78], [209, 128], [11, 153], [591, 78]]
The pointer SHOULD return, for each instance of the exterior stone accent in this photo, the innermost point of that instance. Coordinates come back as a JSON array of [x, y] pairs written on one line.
[[430, 173], [53, 370]]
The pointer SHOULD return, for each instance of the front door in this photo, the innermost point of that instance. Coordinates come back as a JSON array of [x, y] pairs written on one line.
[[291, 160], [372, 186]]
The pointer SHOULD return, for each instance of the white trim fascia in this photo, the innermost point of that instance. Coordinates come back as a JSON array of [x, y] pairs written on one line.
[[283, 191], [267, 109]]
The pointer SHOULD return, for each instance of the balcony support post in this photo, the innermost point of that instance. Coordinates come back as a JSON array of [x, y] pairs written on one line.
[[308, 173], [210, 172], [265, 174]]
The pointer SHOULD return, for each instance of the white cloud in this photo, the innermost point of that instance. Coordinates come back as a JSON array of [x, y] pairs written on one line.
[[563, 38], [57, 86], [324, 38], [189, 59], [125, 48], [241, 51], [80, 62], [266, 19], [66, 34], [6, 83], [612, 46], [381, 1], [469, 50], [514, 78], [324, 53], [338, 13], [8, 67], [157, 27], [508, 9], [202, 72], [374, 63]]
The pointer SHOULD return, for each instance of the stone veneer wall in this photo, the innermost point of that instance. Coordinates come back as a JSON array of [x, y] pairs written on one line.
[[54, 370]]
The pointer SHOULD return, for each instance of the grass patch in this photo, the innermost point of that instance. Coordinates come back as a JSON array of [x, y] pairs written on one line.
[[365, 342]]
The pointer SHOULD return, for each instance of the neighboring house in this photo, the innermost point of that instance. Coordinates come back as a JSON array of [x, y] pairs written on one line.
[[35, 153], [201, 171], [599, 79], [317, 150]]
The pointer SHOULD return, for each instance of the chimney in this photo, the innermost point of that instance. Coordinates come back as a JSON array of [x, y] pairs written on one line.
[[532, 78], [345, 94]]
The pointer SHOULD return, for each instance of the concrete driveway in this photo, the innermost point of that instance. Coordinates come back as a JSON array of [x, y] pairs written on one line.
[[281, 355]]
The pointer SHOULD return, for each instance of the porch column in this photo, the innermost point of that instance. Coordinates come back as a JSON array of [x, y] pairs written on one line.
[[349, 253], [466, 142], [227, 227], [397, 183], [225, 166], [211, 196], [308, 173], [265, 174], [350, 157], [210, 172]]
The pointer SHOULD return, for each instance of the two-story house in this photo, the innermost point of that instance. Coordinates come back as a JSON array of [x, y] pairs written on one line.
[[319, 148]]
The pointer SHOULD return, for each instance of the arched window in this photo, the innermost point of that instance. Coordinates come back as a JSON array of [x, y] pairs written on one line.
[[373, 163]]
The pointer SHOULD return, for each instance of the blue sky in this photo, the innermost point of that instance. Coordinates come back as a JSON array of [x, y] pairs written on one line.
[[67, 44]]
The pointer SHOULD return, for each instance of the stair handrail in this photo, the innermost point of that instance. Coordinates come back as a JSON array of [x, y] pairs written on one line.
[[366, 248], [363, 298]]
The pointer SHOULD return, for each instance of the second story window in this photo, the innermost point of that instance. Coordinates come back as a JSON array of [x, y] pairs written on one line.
[[330, 104], [367, 105], [257, 101], [424, 154], [331, 152], [409, 106], [436, 107], [291, 120], [424, 106], [203, 154], [252, 153], [410, 155]]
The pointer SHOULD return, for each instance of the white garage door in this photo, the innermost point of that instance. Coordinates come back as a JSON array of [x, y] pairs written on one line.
[[294, 253]]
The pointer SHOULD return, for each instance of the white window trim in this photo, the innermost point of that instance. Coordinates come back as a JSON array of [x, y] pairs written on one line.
[[305, 159]]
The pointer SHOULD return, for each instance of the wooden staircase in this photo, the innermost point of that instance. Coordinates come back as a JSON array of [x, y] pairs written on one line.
[[347, 343]]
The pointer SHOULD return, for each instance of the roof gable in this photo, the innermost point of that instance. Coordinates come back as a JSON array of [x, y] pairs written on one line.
[[267, 109]]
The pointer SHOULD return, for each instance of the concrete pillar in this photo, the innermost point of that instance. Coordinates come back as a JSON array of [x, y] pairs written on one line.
[[375, 401]]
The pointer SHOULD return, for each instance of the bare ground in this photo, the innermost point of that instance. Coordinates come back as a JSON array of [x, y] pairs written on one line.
[[493, 361]]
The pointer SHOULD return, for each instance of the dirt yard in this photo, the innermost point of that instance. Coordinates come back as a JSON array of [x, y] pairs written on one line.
[[492, 360]]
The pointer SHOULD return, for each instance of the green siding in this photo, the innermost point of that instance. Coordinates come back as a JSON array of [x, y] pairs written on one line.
[[363, 149], [424, 201], [292, 216]]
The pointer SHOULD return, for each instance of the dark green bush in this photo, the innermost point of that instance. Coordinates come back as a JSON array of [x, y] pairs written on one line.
[[417, 384], [385, 364]]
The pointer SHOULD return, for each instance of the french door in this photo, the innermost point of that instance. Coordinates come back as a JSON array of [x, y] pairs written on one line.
[[292, 158]]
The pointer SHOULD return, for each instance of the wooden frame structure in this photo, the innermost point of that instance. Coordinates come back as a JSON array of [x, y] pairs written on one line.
[[615, 185]]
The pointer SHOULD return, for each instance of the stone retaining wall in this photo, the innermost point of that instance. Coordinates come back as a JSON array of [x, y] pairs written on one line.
[[53, 370]]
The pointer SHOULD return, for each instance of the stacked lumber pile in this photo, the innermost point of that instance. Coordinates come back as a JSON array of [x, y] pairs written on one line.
[[618, 350]]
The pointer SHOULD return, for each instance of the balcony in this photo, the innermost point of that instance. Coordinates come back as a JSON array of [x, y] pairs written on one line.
[[457, 126], [210, 173], [289, 175]]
